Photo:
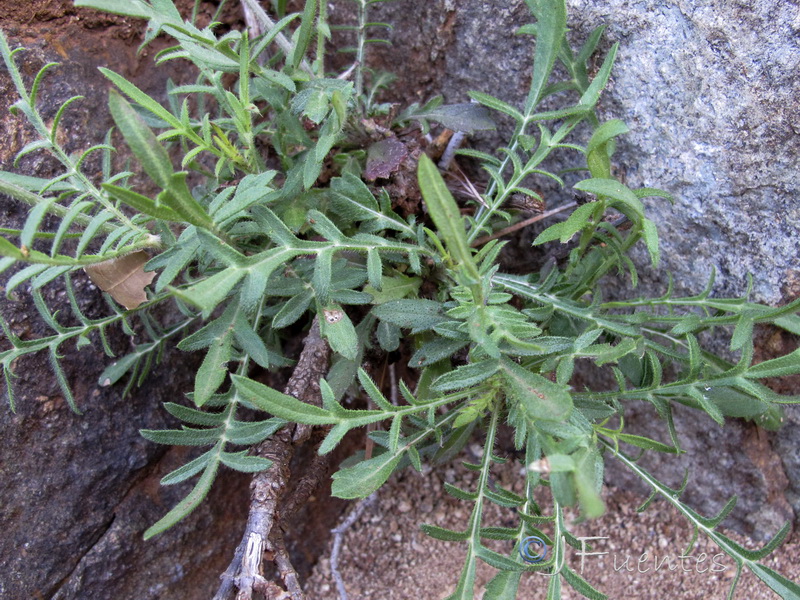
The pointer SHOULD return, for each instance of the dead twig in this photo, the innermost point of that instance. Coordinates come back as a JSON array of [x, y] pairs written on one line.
[[285, 568], [314, 474], [517, 226], [268, 487], [338, 540]]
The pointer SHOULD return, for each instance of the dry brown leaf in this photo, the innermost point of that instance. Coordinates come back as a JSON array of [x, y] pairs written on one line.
[[124, 278]]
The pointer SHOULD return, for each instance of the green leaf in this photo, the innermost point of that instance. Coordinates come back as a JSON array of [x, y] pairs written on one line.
[[395, 287], [466, 376], [446, 535], [293, 309], [496, 104], [446, 216], [10, 250], [131, 8], [182, 437], [207, 294], [240, 461], [582, 586], [360, 480], [141, 98], [250, 342], [281, 405], [466, 117], [786, 589], [540, 398], [551, 17], [607, 131], [247, 433], [304, 34], [586, 483], [352, 200], [188, 470], [437, 349], [504, 586], [142, 203], [213, 370], [565, 230], [497, 560], [650, 234], [338, 329], [194, 416], [790, 323], [743, 332], [178, 197], [141, 140], [613, 189], [251, 190], [777, 367], [321, 280], [118, 369], [730, 402], [705, 403], [188, 504], [646, 443], [417, 315]]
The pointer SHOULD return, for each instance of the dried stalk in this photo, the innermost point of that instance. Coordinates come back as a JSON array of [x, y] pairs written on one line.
[[269, 487]]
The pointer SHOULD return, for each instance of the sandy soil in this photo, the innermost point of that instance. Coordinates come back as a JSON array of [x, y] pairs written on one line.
[[386, 557]]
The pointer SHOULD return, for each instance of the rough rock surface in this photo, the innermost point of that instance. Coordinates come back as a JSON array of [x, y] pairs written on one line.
[[79, 490]]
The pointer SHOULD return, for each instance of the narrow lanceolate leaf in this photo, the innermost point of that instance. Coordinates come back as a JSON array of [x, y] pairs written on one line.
[[466, 376], [581, 585], [496, 104], [360, 480], [503, 586], [210, 292], [446, 216], [417, 315], [131, 8], [188, 504], [446, 535], [141, 140], [540, 398], [188, 470], [10, 250], [785, 588], [182, 437], [604, 133], [142, 203], [178, 197], [612, 189], [351, 198], [213, 370], [240, 461], [141, 98], [551, 18], [565, 230], [777, 367], [650, 234], [124, 278], [466, 117], [281, 405], [338, 329]]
